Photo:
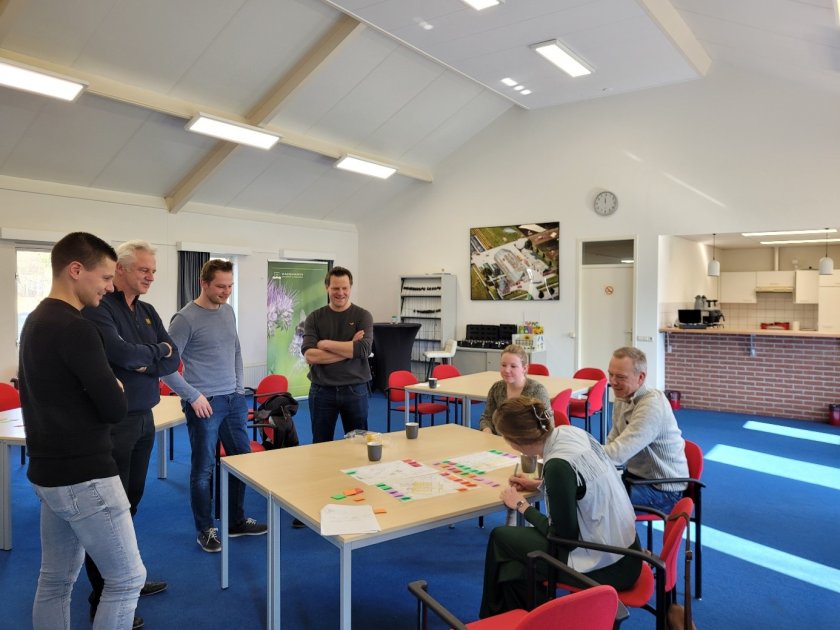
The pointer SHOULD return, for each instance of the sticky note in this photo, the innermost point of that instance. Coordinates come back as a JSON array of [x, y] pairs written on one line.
[[358, 498], [350, 492], [380, 511], [338, 497]]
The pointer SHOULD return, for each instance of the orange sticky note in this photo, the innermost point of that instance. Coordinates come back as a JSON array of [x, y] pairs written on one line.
[[358, 498], [350, 492], [379, 511]]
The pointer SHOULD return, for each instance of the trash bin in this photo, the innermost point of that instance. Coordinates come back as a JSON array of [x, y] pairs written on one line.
[[834, 414], [674, 398]]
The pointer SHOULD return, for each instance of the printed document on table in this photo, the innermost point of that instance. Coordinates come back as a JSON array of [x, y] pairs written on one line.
[[348, 519]]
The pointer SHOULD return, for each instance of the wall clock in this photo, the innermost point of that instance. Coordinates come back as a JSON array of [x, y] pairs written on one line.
[[606, 203]]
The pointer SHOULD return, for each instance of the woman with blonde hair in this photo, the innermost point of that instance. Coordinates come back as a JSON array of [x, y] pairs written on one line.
[[513, 368], [585, 500]]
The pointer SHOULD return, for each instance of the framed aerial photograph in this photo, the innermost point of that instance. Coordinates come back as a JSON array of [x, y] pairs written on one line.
[[515, 262]]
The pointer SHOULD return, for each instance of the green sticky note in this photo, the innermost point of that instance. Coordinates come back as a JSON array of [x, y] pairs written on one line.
[[351, 472], [405, 498], [338, 497]]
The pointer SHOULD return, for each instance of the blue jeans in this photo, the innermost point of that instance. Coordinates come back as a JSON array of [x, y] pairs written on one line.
[[327, 401], [91, 516], [647, 495], [230, 412]]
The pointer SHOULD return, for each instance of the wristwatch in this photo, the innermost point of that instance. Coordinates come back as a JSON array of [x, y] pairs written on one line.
[[520, 503]]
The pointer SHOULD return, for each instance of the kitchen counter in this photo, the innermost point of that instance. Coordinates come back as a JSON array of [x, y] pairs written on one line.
[[774, 332], [779, 373]]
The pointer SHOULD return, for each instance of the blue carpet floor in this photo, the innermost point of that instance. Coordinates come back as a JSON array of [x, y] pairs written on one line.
[[751, 516]]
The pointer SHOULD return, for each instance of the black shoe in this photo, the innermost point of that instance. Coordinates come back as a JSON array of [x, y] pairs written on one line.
[[208, 539], [137, 623], [248, 527], [152, 588], [298, 524]]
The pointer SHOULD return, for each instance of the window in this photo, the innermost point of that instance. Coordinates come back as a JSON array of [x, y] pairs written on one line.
[[34, 279]]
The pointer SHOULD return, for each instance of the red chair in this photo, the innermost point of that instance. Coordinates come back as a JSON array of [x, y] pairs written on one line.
[[591, 374], [10, 399], [268, 386], [594, 608], [444, 371], [661, 580], [589, 406], [397, 382], [694, 456], [538, 369], [560, 407]]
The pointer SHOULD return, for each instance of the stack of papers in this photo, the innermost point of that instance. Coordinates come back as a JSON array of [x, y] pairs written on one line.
[[348, 519]]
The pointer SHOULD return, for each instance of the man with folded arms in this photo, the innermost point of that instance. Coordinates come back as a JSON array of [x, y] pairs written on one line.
[[140, 352]]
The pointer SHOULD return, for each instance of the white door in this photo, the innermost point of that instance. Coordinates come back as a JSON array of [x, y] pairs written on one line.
[[606, 313]]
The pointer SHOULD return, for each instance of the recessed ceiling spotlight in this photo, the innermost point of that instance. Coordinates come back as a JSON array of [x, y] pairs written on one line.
[[423, 24], [480, 5], [525, 92], [508, 82], [518, 87]]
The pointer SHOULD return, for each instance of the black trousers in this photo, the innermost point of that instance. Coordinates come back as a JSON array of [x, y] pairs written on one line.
[[133, 439]]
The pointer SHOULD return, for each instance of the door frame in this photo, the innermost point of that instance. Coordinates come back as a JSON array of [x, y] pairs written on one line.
[[579, 293]]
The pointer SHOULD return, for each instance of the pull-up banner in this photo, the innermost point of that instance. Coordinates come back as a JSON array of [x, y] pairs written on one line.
[[295, 289]]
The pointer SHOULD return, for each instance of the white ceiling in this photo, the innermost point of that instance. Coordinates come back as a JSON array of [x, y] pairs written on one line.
[[357, 76]]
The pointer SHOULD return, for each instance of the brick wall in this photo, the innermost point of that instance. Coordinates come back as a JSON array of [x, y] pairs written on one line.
[[790, 377]]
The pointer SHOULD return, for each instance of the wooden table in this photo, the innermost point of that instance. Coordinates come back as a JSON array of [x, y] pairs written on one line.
[[302, 479], [167, 414], [476, 386]]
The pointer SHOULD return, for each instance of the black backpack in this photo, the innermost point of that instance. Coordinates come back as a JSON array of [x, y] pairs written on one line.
[[274, 417]]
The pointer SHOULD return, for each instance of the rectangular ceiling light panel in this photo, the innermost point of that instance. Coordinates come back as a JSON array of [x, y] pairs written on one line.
[[562, 57], [365, 167], [478, 5], [232, 131], [28, 79]]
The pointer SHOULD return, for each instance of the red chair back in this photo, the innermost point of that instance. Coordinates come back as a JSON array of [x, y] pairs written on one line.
[[398, 380], [538, 369], [593, 609], [9, 397], [560, 407], [595, 396], [442, 371], [271, 384], [674, 529], [694, 455], [592, 374]]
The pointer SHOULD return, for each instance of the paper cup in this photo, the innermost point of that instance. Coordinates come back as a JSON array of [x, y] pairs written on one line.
[[374, 450], [432, 383], [412, 430]]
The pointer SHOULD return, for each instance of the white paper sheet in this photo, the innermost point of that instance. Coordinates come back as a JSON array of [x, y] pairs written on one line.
[[348, 519]]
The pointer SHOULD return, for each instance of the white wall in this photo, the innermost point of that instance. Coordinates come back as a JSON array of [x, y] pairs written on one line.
[[117, 222], [728, 153]]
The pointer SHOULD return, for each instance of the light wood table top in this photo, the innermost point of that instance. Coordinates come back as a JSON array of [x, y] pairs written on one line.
[[302, 480]]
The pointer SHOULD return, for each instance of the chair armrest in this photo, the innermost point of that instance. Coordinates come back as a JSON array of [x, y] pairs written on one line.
[[650, 510], [419, 589], [649, 482], [655, 561]]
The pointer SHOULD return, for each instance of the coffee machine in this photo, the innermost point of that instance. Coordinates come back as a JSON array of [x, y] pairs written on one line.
[[712, 315]]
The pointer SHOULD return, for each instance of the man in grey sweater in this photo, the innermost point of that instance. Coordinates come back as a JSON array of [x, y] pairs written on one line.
[[213, 397], [644, 435]]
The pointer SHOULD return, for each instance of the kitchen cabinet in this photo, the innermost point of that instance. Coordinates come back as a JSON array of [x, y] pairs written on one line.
[[828, 309], [774, 279], [472, 360], [830, 281], [429, 301], [737, 287], [806, 289]]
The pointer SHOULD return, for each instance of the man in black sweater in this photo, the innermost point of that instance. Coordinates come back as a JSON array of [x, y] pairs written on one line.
[[140, 351], [70, 398]]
